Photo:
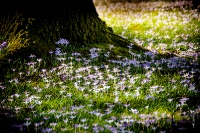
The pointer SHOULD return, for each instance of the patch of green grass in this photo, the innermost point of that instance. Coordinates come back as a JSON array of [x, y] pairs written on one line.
[[106, 88]]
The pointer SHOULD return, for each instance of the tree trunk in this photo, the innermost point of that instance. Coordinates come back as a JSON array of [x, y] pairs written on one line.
[[74, 20], [195, 3]]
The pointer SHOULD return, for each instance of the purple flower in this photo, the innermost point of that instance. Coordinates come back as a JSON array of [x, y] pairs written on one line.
[[62, 41], [3, 45]]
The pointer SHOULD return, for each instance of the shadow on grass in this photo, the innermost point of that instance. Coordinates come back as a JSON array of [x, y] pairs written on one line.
[[9, 124]]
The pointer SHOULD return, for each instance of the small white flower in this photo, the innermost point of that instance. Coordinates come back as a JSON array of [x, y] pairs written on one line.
[[135, 111], [27, 123]]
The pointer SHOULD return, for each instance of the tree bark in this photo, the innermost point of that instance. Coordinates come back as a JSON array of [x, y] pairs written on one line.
[[195, 3], [74, 20]]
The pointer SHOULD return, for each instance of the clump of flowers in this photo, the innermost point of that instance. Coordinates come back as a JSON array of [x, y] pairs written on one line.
[[62, 45], [62, 41]]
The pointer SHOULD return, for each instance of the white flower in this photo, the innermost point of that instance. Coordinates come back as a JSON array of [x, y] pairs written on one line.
[[27, 123], [135, 111]]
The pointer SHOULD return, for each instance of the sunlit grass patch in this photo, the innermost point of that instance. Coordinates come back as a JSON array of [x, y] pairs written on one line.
[[169, 23]]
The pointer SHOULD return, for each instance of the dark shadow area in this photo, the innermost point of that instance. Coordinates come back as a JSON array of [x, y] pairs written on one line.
[[9, 123]]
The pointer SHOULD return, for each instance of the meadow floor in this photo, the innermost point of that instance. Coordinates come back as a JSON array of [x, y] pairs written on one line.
[[102, 89]]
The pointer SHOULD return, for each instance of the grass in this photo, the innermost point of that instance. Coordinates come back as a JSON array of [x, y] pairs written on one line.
[[112, 89]]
